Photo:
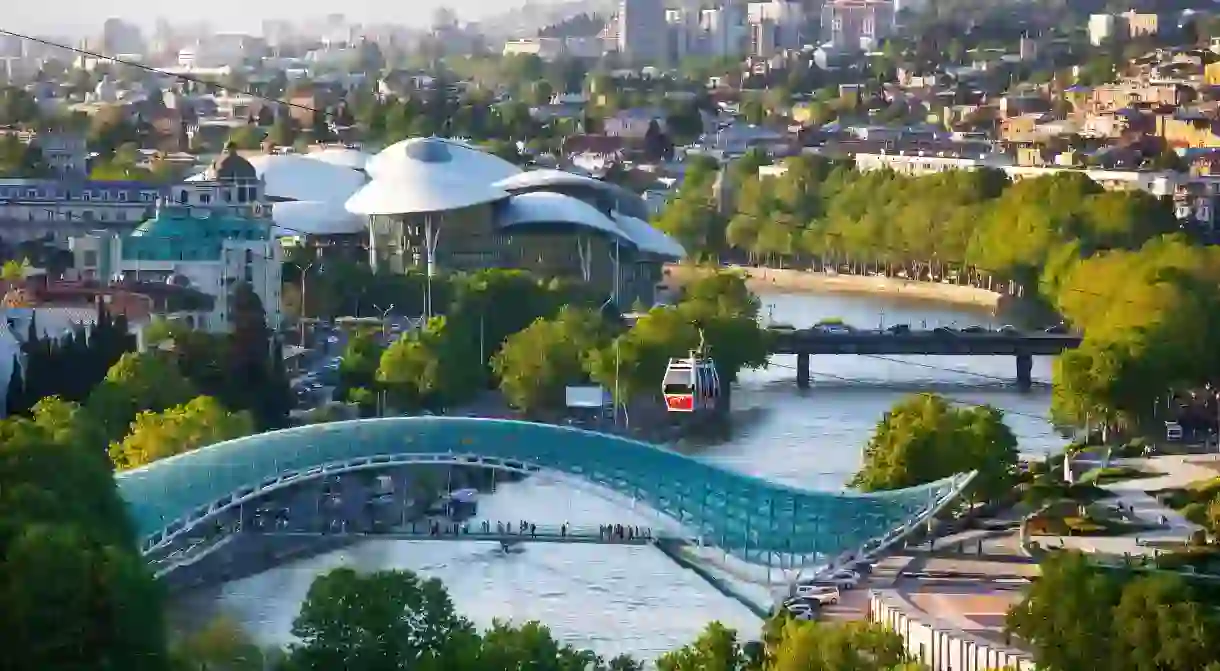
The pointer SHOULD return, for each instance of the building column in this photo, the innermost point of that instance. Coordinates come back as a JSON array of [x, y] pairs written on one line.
[[1025, 367], [802, 371]]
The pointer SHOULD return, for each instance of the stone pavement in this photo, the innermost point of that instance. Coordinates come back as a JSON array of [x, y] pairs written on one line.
[[1178, 471]]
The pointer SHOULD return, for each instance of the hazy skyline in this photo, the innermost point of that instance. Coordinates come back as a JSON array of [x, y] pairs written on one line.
[[79, 17]]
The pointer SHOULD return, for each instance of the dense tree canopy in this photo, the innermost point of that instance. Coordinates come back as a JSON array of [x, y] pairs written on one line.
[[923, 438], [76, 594], [1078, 616], [182, 428], [536, 364]]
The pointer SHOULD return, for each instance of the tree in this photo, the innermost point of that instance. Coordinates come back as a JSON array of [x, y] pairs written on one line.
[[716, 649], [1160, 625], [923, 439], [1061, 619], [361, 358], [411, 369], [846, 646], [15, 400], [283, 132], [386, 619], [535, 365], [76, 594], [147, 381], [157, 435], [220, 645], [251, 371]]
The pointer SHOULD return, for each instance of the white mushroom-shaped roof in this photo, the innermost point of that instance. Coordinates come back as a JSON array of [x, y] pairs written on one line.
[[628, 202], [544, 207], [427, 175], [649, 239], [475, 165], [342, 156], [312, 217], [298, 177], [547, 177]]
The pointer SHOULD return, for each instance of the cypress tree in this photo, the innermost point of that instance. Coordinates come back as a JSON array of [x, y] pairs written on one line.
[[31, 336], [15, 399]]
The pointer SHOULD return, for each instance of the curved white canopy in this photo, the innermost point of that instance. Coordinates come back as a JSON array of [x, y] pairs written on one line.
[[543, 207], [460, 159], [298, 177], [649, 239], [311, 217], [420, 190], [342, 156], [426, 175], [531, 179]]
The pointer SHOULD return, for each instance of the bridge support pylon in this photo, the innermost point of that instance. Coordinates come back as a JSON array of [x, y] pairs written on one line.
[[1025, 368], [802, 371]]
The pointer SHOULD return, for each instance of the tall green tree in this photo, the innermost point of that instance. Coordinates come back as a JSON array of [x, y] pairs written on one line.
[[535, 365], [924, 438]]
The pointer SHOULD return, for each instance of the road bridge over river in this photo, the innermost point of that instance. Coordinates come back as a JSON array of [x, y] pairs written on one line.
[[942, 342]]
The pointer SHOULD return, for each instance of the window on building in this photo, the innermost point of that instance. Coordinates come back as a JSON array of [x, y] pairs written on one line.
[[205, 198], [122, 196], [90, 258], [182, 197]]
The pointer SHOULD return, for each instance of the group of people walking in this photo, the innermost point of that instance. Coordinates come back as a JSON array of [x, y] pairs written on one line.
[[624, 532], [610, 532]]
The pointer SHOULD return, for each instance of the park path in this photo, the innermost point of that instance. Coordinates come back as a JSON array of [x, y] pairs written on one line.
[[1177, 471]]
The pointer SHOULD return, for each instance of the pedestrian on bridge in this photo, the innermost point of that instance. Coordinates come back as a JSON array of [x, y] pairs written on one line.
[[533, 530], [563, 530]]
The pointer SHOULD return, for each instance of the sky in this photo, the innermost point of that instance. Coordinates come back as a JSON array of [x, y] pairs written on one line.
[[81, 17]]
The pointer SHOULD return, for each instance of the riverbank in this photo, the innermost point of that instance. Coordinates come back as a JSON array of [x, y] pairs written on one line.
[[771, 279]]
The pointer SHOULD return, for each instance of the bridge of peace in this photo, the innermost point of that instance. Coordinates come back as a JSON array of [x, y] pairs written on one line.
[[1023, 346], [187, 504]]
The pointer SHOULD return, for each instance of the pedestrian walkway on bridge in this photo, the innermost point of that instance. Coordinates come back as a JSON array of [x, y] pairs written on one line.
[[526, 533]]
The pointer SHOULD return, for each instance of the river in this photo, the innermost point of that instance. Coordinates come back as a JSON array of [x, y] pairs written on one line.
[[618, 599]]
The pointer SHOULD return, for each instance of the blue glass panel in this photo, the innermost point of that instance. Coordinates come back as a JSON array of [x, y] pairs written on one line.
[[746, 516]]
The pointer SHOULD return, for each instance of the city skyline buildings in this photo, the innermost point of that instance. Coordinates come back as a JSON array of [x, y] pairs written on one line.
[[78, 18]]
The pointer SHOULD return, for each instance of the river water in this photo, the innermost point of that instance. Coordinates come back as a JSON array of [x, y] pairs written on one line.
[[620, 599]]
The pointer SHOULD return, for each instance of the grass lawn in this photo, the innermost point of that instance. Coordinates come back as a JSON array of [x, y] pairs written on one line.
[[1102, 476]]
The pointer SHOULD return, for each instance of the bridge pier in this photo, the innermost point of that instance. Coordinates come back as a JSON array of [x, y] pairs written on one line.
[[1025, 368], [802, 371]]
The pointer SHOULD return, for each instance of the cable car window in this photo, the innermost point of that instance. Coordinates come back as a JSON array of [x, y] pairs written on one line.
[[678, 381]]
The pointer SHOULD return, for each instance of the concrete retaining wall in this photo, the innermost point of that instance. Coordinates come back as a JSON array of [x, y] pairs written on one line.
[[938, 644]]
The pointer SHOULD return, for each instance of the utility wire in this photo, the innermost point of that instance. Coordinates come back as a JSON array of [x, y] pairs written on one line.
[[280, 101], [950, 399], [929, 366], [163, 73]]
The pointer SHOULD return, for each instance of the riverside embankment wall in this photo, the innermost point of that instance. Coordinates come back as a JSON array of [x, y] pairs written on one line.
[[772, 279]]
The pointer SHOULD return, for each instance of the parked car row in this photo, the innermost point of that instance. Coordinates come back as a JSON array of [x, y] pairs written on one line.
[[809, 596]]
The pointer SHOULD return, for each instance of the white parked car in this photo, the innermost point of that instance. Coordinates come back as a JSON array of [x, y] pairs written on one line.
[[823, 594], [841, 579]]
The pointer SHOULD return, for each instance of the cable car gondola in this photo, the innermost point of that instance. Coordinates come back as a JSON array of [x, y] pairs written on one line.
[[691, 383]]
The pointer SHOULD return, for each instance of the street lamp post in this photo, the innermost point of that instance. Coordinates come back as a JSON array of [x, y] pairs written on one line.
[[301, 311], [381, 394]]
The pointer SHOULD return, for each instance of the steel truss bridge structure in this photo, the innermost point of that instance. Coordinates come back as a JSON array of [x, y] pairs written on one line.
[[752, 519]]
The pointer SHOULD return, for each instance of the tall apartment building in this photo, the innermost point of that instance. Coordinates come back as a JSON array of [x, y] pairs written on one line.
[[643, 34], [857, 24], [785, 17], [725, 31]]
